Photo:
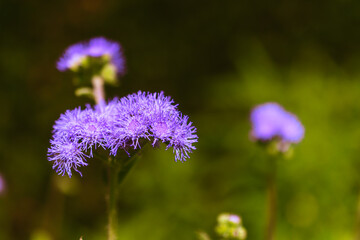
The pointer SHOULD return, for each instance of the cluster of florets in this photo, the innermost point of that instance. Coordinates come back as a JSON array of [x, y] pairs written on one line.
[[77, 55], [120, 125], [271, 121], [229, 226]]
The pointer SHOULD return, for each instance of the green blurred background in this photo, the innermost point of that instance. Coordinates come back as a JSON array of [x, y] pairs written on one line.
[[217, 59]]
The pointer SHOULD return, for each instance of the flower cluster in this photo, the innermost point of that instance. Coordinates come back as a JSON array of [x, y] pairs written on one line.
[[271, 121], [230, 227], [98, 47], [120, 125]]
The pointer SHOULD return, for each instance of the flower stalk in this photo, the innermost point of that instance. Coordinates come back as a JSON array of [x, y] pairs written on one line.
[[271, 200], [113, 168], [117, 171], [278, 129], [113, 171], [98, 89]]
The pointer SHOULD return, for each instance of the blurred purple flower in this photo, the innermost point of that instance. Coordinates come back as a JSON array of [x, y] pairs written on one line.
[[2, 185], [121, 124], [270, 120], [100, 46], [96, 47], [72, 57]]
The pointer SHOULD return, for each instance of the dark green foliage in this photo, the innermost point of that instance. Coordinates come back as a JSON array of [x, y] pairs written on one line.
[[217, 59]]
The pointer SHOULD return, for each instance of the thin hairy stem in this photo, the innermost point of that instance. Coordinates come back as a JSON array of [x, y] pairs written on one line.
[[271, 200], [98, 89], [112, 197], [117, 171]]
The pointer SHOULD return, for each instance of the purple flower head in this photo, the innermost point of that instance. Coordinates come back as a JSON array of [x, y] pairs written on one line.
[[163, 125], [96, 48], [151, 116], [270, 120], [120, 125], [126, 131], [128, 123], [75, 134], [66, 155], [183, 137], [85, 127]]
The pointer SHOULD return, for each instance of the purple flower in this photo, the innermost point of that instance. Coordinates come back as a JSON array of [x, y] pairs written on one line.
[[66, 155], [76, 133], [183, 137], [270, 120], [128, 126], [153, 117], [162, 126], [120, 125], [2, 185], [96, 48], [86, 127]]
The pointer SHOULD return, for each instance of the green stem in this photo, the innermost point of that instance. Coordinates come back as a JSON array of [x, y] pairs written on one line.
[[271, 200], [112, 197], [117, 171]]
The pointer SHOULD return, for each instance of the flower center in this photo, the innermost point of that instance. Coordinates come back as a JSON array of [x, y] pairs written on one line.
[[161, 128], [92, 128], [133, 125]]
